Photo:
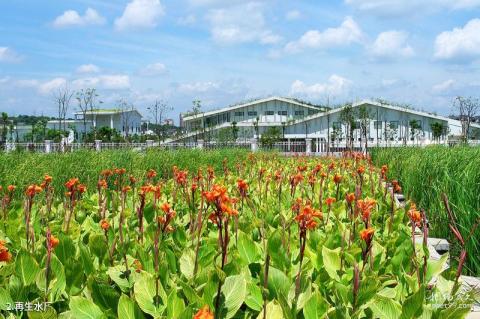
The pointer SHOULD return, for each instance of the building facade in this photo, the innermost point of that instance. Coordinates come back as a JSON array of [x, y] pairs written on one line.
[[298, 120]]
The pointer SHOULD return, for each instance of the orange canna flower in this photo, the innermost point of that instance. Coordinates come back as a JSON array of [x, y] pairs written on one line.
[[54, 241], [33, 189], [81, 188], [361, 170], [350, 197], [133, 180], [102, 184], [70, 184], [47, 179], [126, 189], [242, 187], [138, 265], [330, 200], [5, 255], [151, 173], [165, 207], [104, 224], [203, 313], [366, 205], [11, 188], [414, 215], [367, 234], [337, 178], [106, 173]]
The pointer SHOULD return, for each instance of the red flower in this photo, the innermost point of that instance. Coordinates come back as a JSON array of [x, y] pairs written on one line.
[[54, 241], [151, 173], [70, 184], [5, 255], [337, 178], [242, 187], [32, 190], [11, 188], [361, 170], [414, 215], [367, 234], [350, 197], [203, 313], [104, 224], [330, 200], [366, 205], [165, 207]]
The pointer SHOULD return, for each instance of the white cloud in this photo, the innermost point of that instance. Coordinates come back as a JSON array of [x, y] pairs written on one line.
[[111, 82], [9, 55], [391, 44], [73, 18], [444, 86], [198, 87], [335, 86], [51, 85], [409, 7], [241, 24], [153, 69], [88, 68], [347, 33], [140, 14], [293, 15], [460, 43]]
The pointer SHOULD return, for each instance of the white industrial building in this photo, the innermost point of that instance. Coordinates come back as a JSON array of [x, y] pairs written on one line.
[[299, 120]]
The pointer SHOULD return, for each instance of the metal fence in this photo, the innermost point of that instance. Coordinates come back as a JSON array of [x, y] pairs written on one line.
[[314, 146]]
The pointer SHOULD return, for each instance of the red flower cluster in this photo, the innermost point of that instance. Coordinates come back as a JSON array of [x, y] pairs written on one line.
[[204, 313], [306, 217], [5, 255], [32, 190], [219, 198], [366, 205], [242, 187], [337, 178], [367, 235]]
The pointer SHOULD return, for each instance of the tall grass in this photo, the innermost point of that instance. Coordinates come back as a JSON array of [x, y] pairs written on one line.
[[22, 168], [427, 173]]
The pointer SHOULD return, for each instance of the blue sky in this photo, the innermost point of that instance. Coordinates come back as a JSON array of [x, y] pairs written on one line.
[[420, 52]]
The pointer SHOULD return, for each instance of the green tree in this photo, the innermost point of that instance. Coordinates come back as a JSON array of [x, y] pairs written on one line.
[[438, 129], [271, 136], [347, 116], [415, 128], [4, 123]]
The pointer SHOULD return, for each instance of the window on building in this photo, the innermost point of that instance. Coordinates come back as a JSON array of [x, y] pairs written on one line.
[[299, 113], [269, 113], [282, 112], [393, 125], [239, 113], [311, 112], [377, 125], [337, 125], [252, 113]]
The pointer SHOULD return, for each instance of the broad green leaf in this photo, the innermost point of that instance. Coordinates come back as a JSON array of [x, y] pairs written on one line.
[[278, 283], [175, 305], [85, 259], [49, 313], [187, 263], [254, 298], [116, 273], [316, 307], [234, 291], [65, 250], [83, 308], [436, 267], [385, 308], [274, 311], [247, 249], [277, 251], [331, 261], [104, 295], [412, 306], [128, 309], [26, 267], [97, 245], [5, 299], [145, 291]]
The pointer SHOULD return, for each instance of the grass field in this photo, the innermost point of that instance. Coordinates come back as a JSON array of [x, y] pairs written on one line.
[[23, 168], [426, 173]]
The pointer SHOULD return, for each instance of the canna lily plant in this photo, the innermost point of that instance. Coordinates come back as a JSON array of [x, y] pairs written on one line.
[[263, 237]]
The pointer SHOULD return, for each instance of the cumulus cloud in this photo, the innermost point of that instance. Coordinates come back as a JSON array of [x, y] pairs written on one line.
[[198, 87], [240, 24], [460, 43], [391, 44], [50, 86], [109, 82], [443, 86], [88, 68], [73, 18], [347, 33], [335, 85], [293, 15], [140, 14], [9, 55], [153, 69], [408, 7]]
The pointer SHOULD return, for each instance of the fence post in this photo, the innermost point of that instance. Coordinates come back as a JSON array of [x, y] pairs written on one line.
[[254, 145], [98, 145], [308, 146], [200, 144], [48, 146], [149, 143]]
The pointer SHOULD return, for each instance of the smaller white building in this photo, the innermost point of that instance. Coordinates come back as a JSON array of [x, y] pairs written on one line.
[[126, 122]]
